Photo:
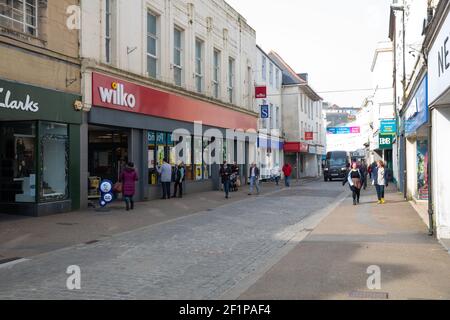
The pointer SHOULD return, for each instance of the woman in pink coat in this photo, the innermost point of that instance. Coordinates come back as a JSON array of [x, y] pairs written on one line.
[[128, 177]]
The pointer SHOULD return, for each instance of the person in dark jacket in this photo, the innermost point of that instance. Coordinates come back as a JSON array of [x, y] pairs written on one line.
[[380, 180], [128, 178], [254, 178], [179, 176], [225, 173], [363, 169], [355, 180]]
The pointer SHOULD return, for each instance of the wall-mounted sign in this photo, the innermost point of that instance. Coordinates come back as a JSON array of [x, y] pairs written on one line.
[[265, 111], [343, 130], [439, 63], [416, 114], [261, 92], [385, 141], [117, 96], [9, 102], [388, 126], [151, 137], [161, 138], [309, 136]]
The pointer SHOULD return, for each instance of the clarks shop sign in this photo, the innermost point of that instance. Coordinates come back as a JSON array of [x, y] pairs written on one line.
[[439, 63], [20, 101]]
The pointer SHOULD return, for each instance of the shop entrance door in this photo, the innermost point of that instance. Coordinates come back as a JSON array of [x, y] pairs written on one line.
[[108, 155]]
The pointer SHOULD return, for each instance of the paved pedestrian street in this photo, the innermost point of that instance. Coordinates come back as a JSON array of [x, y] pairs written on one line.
[[299, 243], [200, 256]]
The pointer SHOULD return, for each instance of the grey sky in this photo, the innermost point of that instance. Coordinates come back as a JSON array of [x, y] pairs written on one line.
[[332, 40]]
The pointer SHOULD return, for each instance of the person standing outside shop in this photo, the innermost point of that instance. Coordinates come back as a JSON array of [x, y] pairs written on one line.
[[225, 173], [165, 172], [287, 171], [363, 170], [380, 180], [254, 178], [276, 174], [128, 178], [355, 180], [179, 179]]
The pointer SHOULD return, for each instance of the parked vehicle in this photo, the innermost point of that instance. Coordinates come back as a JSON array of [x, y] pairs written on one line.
[[336, 165]]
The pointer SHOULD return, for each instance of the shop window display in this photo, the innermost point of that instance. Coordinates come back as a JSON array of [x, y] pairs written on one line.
[[54, 161], [18, 162]]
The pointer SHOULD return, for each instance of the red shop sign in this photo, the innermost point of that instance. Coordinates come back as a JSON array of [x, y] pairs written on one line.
[[309, 136], [261, 92], [113, 93]]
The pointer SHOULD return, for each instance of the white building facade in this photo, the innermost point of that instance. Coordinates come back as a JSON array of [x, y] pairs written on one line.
[[152, 67], [270, 128]]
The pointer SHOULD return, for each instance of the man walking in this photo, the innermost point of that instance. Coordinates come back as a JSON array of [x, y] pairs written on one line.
[[287, 171], [225, 173], [254, 178], [179, 178], [165, 172], [363, 169]]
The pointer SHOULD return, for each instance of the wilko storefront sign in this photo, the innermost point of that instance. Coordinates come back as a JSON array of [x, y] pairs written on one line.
[[309, 136], [9, 102], [116, 95]]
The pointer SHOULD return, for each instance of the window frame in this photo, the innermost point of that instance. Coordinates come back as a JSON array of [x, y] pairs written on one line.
[[23, 22], [216, 72], [178, 50], [199, 64], [156, 38], [231, 79]]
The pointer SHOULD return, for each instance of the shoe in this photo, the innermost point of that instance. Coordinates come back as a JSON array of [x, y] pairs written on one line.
[[249, 194], [354, 202], [357, 201], [379, 201], [382, 201]]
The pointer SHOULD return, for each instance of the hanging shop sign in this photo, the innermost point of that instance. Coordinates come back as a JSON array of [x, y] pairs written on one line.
[[261, 92], [309, 136], [416, 114], [343, 130], [312, 149], [385, 141], [439, 63], [265, 114], [388, 126]]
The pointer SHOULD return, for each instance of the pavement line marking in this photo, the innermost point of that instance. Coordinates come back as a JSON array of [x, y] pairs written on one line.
[[10, 264], [244, 284]]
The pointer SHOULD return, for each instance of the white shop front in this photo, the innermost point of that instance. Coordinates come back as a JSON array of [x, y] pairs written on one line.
[[438, 43]]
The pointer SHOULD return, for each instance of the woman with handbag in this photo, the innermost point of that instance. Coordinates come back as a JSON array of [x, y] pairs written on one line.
[[128, 178], [355, 180]]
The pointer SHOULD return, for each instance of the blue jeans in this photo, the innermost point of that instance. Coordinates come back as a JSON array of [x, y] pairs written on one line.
[[380, 191], [226, 187], [287, 181], [254, 182]]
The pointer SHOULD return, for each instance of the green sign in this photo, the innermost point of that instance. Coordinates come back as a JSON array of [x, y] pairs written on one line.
[[24, 102], [385, 141], [388, 127]]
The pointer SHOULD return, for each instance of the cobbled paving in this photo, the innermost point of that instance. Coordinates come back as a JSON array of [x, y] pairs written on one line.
[[196, 257]]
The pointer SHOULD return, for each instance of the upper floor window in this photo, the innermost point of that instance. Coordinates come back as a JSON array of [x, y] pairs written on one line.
[[152, 45], [231, 80], [199, 65], [177, 56], [108, 30], [264, 68], [19, 15], [216, 74], [271, 74], [277, 79]]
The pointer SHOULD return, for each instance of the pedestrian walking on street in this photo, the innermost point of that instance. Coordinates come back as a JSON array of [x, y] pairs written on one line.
[[254, 178], [180, 173], [287, 171], [128, 178], [225, 173], [235, 181], [165, 172], [380, 180], [355, 181], [363, 169], [276, 174]]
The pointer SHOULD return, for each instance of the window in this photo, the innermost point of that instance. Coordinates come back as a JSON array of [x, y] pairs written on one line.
[[277, 79], [152, 45], [108, 31], [19, 15], [177, 57], [277, 122], [216, 74], [271, 74], [231, 80], [54, 163], [264, 68], [302, 132], [199, 65], [18, 162]]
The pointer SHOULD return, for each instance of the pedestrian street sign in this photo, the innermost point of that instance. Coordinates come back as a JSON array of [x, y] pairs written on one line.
[[264, 111]]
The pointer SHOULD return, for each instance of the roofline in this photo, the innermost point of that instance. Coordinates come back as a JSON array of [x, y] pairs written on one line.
[[377, 52], [287, 66], [268, 57], [436, 23]]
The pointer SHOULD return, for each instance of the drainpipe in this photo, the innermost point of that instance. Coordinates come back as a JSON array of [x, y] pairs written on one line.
[[429, 169]]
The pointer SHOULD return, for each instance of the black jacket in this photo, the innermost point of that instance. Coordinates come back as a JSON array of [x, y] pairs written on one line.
[[256, 172], [225, 173]]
